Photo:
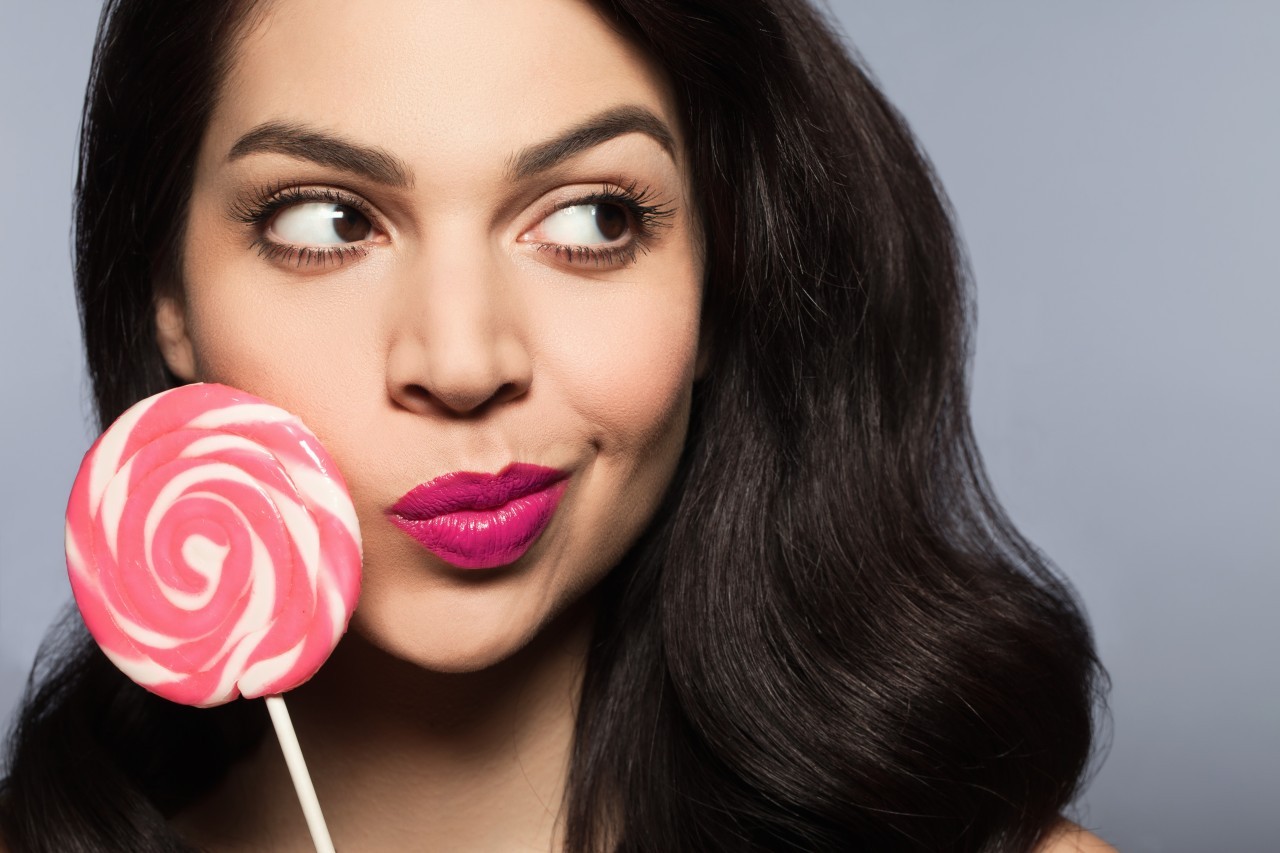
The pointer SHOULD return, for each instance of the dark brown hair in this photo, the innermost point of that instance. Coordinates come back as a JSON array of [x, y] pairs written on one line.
[[830, 638]]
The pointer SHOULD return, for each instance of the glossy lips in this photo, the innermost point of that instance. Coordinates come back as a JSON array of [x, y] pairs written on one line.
[[481, 521]]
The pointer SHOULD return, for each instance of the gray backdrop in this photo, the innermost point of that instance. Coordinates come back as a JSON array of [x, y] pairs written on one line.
[[1114, 170]]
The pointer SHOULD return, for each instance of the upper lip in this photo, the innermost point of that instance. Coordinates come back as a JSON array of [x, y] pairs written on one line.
[[471, 490]]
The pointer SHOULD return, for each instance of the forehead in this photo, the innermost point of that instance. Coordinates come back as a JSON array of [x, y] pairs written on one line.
[[444, 85]]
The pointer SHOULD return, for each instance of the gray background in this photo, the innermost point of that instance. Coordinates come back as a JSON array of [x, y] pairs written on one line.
[[1114, 170]]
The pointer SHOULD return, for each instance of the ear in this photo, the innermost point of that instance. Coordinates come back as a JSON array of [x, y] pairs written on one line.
[[171, 336]]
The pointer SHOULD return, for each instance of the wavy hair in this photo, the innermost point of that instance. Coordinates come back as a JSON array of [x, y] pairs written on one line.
[[830, 637]]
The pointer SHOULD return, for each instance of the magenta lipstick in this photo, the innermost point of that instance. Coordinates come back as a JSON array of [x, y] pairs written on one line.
[[480, 521]]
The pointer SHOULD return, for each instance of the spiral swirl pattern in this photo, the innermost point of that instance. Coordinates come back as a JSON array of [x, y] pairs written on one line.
[[212, 546]]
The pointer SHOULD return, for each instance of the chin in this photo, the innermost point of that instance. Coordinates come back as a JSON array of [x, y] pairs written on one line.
[[440, 651], [454, 638]]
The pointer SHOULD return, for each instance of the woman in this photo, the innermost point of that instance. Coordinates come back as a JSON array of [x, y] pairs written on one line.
[[683, 263]]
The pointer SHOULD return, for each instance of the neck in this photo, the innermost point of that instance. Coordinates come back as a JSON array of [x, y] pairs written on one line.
[[403, 758]]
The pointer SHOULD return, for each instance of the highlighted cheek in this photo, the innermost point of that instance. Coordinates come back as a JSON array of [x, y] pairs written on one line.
[[634, 391]]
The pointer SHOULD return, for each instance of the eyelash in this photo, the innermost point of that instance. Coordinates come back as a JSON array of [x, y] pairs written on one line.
[[646, 213], [643, 209], [266, 202]]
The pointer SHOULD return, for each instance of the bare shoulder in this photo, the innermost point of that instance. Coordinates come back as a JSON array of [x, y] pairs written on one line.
[[1067, 837]]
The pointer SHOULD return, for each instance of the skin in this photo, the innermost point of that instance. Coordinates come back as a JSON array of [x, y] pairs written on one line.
[[453, 342], [1069, 837]]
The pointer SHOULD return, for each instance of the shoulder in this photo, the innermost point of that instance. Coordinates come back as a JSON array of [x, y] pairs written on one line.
[[1067, 837]]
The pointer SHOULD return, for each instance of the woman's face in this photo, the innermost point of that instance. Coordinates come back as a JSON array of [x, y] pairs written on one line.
[[453, 237]]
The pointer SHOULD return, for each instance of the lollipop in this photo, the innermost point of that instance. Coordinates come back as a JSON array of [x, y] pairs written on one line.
[[213, 548]]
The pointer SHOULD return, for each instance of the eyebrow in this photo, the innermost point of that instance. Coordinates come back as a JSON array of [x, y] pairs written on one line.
[[327, 149], [611, 123]]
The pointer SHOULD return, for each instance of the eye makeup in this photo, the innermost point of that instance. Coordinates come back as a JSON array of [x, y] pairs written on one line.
[[258, 211], [627, 217], [644, 216]]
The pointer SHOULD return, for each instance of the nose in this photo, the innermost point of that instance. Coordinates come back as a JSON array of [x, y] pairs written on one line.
[[458, 342]]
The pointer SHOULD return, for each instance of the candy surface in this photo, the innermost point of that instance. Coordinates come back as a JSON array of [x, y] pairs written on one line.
[[212, 546]]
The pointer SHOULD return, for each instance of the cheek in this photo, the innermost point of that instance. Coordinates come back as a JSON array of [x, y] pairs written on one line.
[[234, 324], [627, 371], [296, 344], [628, 377]]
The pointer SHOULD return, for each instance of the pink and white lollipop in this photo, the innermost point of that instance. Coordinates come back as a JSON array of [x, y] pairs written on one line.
[[214, 552], [212, 546]]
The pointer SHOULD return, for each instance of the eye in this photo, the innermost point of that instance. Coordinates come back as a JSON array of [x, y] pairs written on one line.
[[320, 223], [605, 229], [308, 227], [586, 225]]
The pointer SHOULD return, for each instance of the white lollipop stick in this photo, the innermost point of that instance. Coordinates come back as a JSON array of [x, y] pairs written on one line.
[[298, 771]]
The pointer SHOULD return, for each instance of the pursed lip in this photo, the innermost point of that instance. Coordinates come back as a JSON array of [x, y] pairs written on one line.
[[475, 520]]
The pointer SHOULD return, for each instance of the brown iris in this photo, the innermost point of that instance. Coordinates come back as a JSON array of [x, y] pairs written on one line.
[[611, 220], [350, 224]]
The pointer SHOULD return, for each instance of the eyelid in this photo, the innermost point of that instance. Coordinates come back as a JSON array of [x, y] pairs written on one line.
[[595, 192], [268, 200], [643, 204]]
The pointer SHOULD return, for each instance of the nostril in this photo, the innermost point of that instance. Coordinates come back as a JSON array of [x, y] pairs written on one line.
[[455, 402], [507, 392], [415, 398]]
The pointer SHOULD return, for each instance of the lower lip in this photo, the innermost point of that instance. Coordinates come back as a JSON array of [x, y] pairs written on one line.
[[486, 538]]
